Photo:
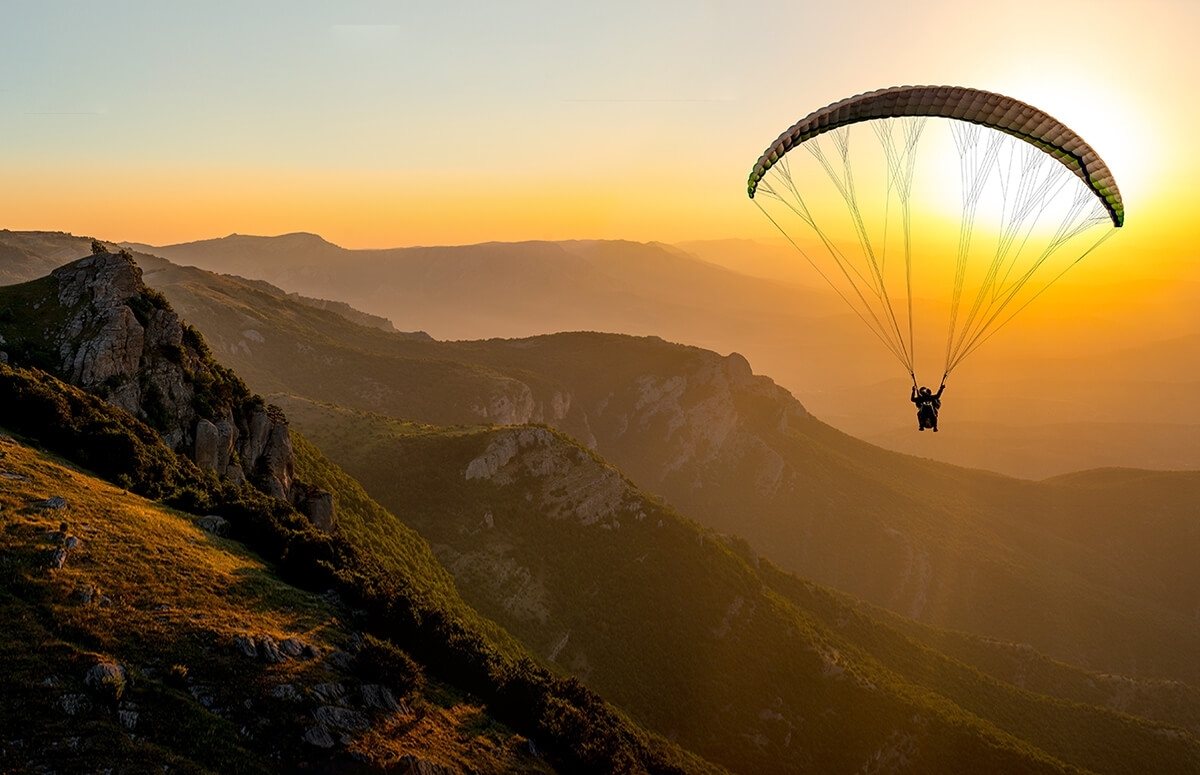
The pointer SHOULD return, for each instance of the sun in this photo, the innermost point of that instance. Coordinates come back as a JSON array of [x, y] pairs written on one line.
[[1108, 120]]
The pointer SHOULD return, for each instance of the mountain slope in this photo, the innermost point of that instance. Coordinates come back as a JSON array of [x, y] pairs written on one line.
[[406, 605], [949, 546], [698, 637], [692, 407], [203, 662]]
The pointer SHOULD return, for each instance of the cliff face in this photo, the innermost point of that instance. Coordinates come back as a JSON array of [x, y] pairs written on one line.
[[125, 343], [104, 330], [715, 413]]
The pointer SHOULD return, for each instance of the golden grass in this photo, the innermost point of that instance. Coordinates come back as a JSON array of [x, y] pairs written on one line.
[[168, 599], [162, 573], [461, 737]]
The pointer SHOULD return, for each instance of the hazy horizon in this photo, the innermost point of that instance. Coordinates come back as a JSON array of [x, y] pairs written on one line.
[[1055, 391]]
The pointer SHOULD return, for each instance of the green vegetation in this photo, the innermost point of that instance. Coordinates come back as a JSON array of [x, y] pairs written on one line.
[[119, 599], [450, 648], [146, 589], [25, 333], [145, 303], [697, 637]]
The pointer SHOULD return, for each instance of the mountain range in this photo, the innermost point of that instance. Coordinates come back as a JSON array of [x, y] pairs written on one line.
[[953, 547], [678, 534], [1108, 382]]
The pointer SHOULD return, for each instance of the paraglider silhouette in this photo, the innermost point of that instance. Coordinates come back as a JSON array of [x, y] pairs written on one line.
[[928, 405], [1033, 195]]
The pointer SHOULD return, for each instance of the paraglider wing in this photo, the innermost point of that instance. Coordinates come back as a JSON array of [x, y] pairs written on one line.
[[1004, 114]]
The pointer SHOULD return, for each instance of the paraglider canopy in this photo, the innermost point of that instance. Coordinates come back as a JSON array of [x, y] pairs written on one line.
[[1036, 184], [989, 109]]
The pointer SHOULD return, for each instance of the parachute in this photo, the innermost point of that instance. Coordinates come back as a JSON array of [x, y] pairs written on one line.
[[1030, 201]]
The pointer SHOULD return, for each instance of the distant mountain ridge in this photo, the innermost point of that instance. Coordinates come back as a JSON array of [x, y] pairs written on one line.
[[496, 288], [1071, 384]]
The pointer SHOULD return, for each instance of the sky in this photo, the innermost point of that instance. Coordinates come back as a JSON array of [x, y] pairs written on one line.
[[386, 124]]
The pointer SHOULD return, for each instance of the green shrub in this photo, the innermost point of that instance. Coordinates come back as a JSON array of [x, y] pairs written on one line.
[[382, 662]]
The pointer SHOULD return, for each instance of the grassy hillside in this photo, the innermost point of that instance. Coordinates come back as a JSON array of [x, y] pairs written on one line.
[[170, 606], [575, 730], [699, 638]]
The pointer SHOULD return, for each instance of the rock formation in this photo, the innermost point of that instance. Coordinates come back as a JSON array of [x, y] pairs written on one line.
[[116, 337]]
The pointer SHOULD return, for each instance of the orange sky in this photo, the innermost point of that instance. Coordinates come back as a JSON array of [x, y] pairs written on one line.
[[381, 125]]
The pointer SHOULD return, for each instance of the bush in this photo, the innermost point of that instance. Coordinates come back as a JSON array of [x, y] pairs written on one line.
[[176, 677], [382, 662]]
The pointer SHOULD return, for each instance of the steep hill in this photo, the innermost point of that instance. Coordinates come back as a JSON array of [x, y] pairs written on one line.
[[137, 639], [693, 633], [92, 320]]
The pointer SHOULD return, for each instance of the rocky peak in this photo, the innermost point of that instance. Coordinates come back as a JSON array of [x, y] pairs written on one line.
[[122, 340], [112, 335]]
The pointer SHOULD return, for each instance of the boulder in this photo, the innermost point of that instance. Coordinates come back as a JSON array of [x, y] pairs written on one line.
[[246, 645], [379, 697], [318, 506], [214, 524], [341, 718], [207, 440], [107, 679], [270, 651], [319, 736], [86, 594], [330, 692]]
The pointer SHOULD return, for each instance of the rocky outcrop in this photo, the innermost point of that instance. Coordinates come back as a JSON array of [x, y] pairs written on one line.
[[513, 402], [118, 338], [510, 403], [574, 484], [319, 506], [122, 340], [712, 415]]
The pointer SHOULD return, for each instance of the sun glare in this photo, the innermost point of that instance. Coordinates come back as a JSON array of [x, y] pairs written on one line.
[[1107, 120]]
